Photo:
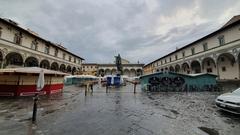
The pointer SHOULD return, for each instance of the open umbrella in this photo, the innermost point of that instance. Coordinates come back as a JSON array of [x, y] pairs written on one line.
[[40, 82], [40, 86]]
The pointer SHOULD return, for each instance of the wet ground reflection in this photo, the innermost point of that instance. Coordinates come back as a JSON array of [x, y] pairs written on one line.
[[118, 112]]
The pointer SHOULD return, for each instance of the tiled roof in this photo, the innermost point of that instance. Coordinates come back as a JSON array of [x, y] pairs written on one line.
[[232, 20]]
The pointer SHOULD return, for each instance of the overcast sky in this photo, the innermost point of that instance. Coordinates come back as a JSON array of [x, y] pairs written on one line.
[[140, 30]]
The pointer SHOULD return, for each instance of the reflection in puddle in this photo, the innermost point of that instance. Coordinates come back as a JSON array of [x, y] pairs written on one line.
[[210, 131]]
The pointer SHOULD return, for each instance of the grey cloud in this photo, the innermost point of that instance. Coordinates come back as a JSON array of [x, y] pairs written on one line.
[[98, 30]]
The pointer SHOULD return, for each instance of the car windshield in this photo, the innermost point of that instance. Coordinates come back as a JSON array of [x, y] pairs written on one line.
[[237, 91]]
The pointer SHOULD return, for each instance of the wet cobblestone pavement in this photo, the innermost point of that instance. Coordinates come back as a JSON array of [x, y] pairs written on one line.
[[119, 112]]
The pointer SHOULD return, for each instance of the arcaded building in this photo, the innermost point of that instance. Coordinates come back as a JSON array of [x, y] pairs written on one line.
[[129, 69], [89, 69], [217, 53], [21, 47]]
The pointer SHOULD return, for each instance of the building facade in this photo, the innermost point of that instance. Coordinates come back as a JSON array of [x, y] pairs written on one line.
[[21, 47], [89, 69], [129, 69], [217, 53]]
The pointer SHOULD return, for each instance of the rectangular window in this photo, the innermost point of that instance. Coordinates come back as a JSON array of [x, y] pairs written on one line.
[[64, 56], [34, 45], [170, 59], [47, 47], [161, 62], [74, 60], [221, 40], [224, 69], [193, 51], [176, 57], [205, 46], [183, 54], [165, 60], [56, 52], [69, 58], [18, 38]]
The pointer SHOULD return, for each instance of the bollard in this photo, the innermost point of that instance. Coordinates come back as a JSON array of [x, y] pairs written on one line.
[[85, 90], [135, 88], [106, 88], [91, 86], [35, 109]]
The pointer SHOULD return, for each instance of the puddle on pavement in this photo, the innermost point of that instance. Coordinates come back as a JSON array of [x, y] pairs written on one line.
[[194, 108], [170, 117], [209, 131], [23, 120], [48, 112], [175, 112]]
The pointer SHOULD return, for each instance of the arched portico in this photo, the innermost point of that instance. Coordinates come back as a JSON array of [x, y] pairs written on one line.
[[14, 59], [107, 72], [54, 66], [101, 72], [195, 67], [45, 64], [114, 71], [62, 68], [69, 69], [209, 65], [185, 68], [132, 72], [126, 72], [227, 67], [171, 69], [166, 69], [31, 62], [177, 68], [74, 70], [139, 72]]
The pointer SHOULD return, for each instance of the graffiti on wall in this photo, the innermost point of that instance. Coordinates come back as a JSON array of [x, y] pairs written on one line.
[[166, 83], [176, 83]]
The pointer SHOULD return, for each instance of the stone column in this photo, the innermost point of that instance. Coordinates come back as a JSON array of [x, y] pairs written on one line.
[[2, 63]]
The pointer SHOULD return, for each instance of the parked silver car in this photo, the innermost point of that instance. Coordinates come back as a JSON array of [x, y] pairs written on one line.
[[229, 102]]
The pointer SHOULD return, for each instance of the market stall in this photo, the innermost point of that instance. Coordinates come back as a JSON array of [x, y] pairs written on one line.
[[22, 81]]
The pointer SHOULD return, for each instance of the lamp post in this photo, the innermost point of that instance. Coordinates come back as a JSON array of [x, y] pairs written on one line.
[[40, 85]]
